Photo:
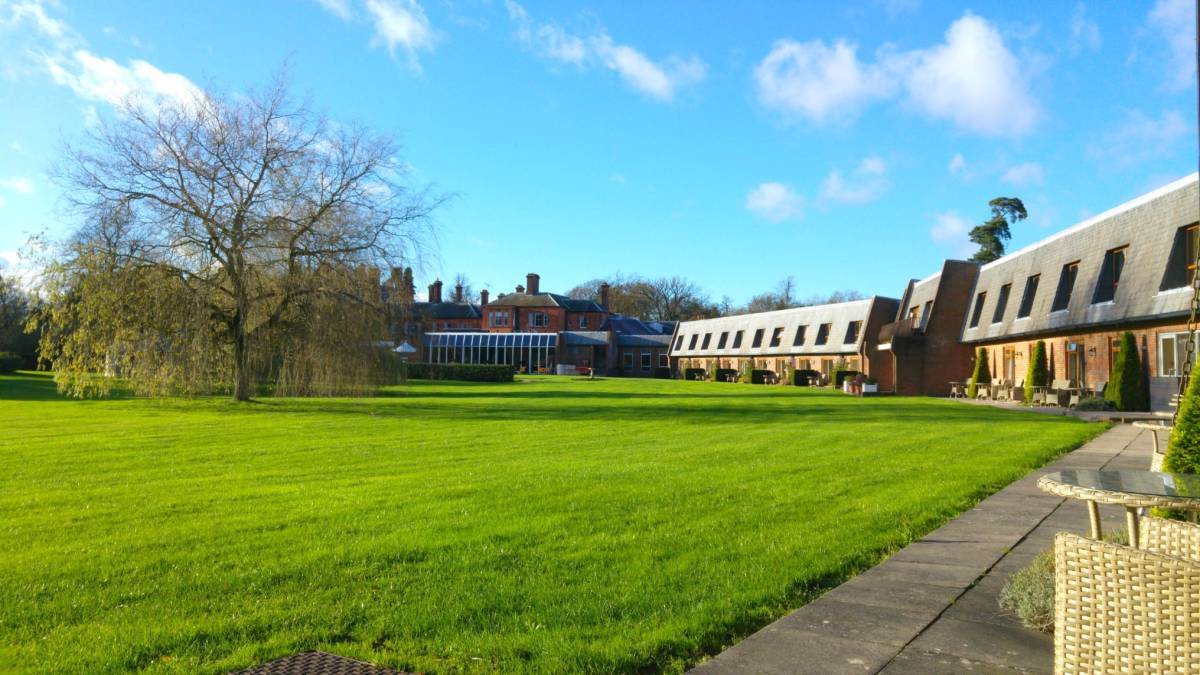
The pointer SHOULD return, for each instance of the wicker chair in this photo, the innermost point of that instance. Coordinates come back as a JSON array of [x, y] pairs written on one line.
[[1123, 610]]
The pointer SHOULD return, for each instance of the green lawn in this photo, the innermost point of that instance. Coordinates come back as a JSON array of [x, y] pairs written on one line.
[[556, 524]]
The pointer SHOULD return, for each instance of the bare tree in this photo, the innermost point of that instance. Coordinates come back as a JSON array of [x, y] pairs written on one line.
[[662, 299], [249, 210]]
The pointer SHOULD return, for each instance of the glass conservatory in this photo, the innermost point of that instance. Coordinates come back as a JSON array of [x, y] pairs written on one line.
[[531, 351]]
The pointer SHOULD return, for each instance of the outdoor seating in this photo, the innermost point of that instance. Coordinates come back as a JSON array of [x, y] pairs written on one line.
[[1124, 609]]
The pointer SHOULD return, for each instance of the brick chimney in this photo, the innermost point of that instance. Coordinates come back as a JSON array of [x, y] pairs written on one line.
[[520, 288], [531, 282], [408, 288], [604, 295], [435, 291], [483, 297], [458, 293]]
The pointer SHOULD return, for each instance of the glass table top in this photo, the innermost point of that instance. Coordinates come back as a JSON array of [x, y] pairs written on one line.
[[1147, 483]]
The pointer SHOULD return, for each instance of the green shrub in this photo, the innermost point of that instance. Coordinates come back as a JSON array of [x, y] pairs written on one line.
[[1183, 450], [747, 374], [982, 374], [465, 372], [838, 373], [1029, 592], [1038, 374], [1094, 404], [1125, 389], [10, 362]]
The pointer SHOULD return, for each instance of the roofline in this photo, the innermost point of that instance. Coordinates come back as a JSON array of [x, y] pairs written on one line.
[[1084, 224], [866, 301]]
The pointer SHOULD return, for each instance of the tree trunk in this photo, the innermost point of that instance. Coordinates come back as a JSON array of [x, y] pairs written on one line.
[[241, 359]]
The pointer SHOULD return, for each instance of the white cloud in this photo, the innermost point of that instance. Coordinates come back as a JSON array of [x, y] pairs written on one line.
[[1024, 175], [403, 24], [952, 231], [820, 82], [775, 202], [339, 8], [1139, 138], [970, 79], [865, 184], [34, 13], [103, 79], [659, 79], [1085, 33], [1175, 23], [19, 184], [974, 81], [957, 165], [16, 146], [895, 8]]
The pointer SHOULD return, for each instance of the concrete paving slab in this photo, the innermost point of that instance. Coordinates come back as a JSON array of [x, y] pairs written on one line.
[[933, 606]]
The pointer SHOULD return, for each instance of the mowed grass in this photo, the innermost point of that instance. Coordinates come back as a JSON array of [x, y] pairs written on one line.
[[550, 525]]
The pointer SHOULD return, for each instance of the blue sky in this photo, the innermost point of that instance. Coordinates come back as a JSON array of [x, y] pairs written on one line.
[[850, 145]]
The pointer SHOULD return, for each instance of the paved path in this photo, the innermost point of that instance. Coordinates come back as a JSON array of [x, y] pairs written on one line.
[[932, 607]]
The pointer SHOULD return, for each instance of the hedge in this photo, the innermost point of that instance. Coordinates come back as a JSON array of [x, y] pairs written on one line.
[[455, 371], [1183, 450], [10, 362]]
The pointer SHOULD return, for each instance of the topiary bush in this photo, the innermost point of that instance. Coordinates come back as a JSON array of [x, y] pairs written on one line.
[[1183, 450], [982, 374], [1038, 374], [1125, 389], [10, 362]]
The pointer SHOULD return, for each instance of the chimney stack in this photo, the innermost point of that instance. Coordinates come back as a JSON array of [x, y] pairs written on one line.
[[520, 288], [604, 295], [483, 297], [435, 291], [531, 283], [408, 289], [458, 293]]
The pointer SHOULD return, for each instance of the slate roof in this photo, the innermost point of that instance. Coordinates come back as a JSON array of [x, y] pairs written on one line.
[[546, 300], [644, 340], [1148, 226], [840, 315], [447, 310], [585, 338], [628, 325]]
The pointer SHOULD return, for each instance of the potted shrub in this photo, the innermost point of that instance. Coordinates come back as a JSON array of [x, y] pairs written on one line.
[[870, 386]]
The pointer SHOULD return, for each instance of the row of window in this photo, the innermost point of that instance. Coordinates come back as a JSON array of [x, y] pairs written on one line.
[[501, 317], [1181, 270], [823, 330], [647, 359]]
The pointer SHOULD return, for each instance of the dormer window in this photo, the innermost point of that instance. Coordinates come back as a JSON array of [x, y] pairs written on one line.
[[1066, 284], [777, 337], [1110, 276], [692, 342], [1001, 303], [978, 311], [852, 332], [1027, 297], [758, 338], [679, 343], [707, 339], [823, 333], [799, 339], [1181, 265], [737, 339], [722, 340]]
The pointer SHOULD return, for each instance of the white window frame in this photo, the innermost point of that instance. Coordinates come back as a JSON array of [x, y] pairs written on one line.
[[539, 319], [583, 321], [1180, 347], [664, 361], [647, 360]]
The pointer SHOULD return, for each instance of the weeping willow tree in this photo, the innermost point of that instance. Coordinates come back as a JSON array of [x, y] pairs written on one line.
[[230, 242]]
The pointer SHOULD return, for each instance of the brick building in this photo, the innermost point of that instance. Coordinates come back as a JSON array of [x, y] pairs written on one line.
[[534, 331], [1129, 268], [802, 338], [923, 346]]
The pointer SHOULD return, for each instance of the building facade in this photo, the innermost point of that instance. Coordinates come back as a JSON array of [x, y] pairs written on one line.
[[803, 338], [1130, 268]]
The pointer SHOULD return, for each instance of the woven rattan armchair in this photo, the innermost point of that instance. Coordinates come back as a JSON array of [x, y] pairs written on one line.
[[1123, 610]]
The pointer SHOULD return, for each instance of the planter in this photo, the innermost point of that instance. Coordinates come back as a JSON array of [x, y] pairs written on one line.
[[870, 388]]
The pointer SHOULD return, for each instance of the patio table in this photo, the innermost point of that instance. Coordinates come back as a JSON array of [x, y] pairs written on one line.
[[1132, 489]]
